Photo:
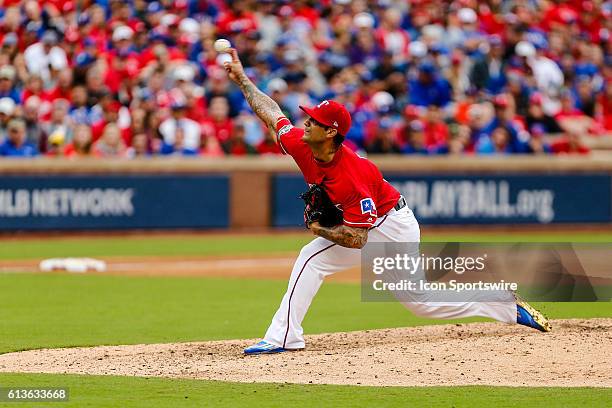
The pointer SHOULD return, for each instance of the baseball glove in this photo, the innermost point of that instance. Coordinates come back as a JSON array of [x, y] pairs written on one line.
[[319, 207]]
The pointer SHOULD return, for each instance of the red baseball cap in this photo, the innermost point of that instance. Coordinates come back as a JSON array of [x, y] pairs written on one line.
[[332, 114], [501, 101], [536, 98]]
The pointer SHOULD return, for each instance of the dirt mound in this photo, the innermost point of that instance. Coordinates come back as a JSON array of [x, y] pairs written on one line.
[[576, 353]]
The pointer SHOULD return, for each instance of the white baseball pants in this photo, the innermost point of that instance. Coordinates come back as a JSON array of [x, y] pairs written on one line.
[[321, 258]]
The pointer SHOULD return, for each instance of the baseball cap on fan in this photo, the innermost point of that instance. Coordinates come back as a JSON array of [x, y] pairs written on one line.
[[332, 114]]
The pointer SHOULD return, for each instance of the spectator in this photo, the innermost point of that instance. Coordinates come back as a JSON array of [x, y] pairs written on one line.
[[236, 144], [569, 144], [498, 143], [604, 106], [104, 113], [11, 25], [429, 89], [59, 120], [268, 144], [505, 118], [584, 96], [140, 146], [80, 111], [63, 86], [34, 87], [191, 131], [459, 141], [210, 146], [477, 120], [568, 108], [519, 91], [537, 117], [55, 143], [382, 104], [436, 131], [125, 63], [219, 85], [81, 142], [277, 89], [194, 95], [488, 72], [537, 144], [297, 93], [178, 147], [365, 50], [110, 144], [15, 144], [572, 119], [45, 58], [7, 84], [415, 142], [35, 134], [237, 18], [383, 140], [7, 109], [219, 121], [391, 37], [548, 76]]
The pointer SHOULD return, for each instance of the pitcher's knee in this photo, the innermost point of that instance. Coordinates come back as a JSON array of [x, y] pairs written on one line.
[[311, 249]]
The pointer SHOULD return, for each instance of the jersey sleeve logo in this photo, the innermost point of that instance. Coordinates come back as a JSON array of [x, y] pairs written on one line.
[[284, 130], [368, 207]]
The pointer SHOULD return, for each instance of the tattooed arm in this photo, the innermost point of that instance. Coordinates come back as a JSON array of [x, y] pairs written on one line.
[[342, 235], [264, 106]]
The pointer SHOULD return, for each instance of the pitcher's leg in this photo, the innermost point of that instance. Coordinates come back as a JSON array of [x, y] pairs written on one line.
[[500, 311], [318, 259]]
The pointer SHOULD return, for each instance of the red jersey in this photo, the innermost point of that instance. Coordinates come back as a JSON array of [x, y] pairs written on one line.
[[353, 183]]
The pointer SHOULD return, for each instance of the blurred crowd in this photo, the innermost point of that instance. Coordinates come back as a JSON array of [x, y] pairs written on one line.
[[137, 78]]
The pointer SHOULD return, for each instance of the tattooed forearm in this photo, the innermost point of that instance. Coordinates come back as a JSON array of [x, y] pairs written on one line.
[[342, 235], [262, 104]]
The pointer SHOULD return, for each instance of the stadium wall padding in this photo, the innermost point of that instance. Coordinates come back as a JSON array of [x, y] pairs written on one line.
[[480, 199], [259, 192], [75, 202]]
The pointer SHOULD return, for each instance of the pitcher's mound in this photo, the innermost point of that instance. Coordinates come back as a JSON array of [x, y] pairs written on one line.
[[576, 353]]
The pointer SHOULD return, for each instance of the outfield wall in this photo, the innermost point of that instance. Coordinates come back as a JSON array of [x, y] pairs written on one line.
[[48, 194]]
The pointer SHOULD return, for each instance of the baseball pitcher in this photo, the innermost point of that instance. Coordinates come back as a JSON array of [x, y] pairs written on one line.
[[348, 203]]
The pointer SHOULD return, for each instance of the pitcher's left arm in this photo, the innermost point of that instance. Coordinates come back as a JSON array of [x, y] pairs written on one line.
[[343, 235]]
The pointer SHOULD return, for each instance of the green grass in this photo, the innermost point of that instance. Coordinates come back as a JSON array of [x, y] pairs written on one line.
[[97, 391], [63, 310], [204, 245], [201, 245]]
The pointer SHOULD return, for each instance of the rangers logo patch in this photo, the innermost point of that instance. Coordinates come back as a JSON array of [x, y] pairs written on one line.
[[368, 207], [284, 129]]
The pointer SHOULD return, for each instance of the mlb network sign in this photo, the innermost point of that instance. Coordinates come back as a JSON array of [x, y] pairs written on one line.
[[507, 199], [113, 202], [55, 202]]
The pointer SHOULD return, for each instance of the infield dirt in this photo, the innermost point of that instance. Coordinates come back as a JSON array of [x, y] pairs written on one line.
[[576, 353], [268, 266]]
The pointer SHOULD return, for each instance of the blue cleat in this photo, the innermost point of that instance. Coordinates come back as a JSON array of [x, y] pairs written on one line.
[[263, 347], [528, 316]]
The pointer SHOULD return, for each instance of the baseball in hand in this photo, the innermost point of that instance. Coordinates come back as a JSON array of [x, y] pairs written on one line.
[[222, 45]]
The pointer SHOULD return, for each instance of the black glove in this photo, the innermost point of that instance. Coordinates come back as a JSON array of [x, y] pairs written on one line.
[[319, 207]]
